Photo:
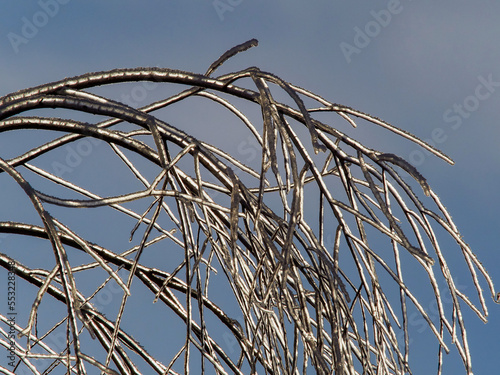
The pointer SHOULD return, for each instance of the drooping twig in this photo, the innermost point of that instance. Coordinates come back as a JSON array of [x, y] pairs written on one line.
[[301, 237]]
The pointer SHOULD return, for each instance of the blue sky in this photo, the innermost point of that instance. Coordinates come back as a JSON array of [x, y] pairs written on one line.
[[430, 68]]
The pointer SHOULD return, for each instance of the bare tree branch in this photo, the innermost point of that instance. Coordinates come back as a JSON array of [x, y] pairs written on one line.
[[315, 238]]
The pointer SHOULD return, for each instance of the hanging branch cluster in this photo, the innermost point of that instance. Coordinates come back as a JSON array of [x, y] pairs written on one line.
[[310, 240]]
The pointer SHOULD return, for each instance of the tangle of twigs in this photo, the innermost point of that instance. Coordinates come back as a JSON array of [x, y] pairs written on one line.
[[310, 237]]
